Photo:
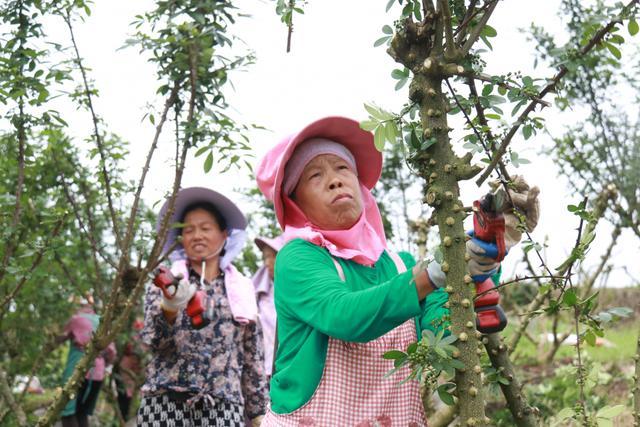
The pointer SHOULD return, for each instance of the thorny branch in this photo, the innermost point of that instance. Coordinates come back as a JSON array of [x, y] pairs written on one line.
[[97, 136], [597, 37]]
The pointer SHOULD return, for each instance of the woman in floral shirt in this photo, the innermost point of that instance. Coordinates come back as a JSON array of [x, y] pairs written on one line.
[[213, 376]]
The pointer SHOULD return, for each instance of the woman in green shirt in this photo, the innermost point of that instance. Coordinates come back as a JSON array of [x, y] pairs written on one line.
[[342, 298]]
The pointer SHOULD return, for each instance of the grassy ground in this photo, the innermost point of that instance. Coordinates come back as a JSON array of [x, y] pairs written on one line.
[[622, 339], [551, 388]]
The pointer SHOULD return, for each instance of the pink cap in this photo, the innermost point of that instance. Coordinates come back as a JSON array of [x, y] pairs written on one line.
[[270, 171]]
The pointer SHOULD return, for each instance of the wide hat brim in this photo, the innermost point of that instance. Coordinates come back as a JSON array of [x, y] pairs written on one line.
[[345, 131], [186, 197], [275, 243]]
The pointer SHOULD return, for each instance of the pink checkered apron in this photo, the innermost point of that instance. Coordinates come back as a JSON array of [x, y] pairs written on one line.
[[353, 390]]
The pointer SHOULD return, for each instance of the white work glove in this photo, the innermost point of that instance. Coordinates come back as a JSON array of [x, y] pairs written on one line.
[[436, 275], [181, 298], [482, 262], [482, 258], [525, 200]]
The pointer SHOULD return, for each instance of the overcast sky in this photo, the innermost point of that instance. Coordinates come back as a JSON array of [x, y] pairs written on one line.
[[332, 69]]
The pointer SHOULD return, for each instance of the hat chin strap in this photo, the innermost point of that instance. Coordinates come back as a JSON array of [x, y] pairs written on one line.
[[204, 259]]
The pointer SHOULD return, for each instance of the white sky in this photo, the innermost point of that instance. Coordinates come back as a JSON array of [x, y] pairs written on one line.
[[332, 70]]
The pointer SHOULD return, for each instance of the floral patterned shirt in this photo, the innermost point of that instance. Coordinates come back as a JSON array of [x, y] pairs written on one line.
[[225, 359]]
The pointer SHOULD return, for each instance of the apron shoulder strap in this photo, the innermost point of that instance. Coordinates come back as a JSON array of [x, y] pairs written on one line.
[[397, 261], [339, 268]]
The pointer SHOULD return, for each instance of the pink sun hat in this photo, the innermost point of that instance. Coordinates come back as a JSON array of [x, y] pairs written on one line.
[[271, 169], [275, 243]]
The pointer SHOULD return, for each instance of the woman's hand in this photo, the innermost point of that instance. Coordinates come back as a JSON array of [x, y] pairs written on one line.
[[255, 422], [171, 306], [523, 213], [482, 258], [428, 276]]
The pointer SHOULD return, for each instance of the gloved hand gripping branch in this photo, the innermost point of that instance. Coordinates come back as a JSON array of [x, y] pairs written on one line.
[[497, 228], [499, 220]]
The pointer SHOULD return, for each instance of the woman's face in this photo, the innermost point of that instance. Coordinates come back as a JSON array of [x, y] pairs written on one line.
[[201, 235], [328, 193], [269, 259]]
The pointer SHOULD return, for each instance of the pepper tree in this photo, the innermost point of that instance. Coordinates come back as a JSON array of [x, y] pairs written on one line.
[[436, 42]]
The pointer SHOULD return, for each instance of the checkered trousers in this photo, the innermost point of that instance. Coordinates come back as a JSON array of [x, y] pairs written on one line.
[[161, 411], [354, 392]]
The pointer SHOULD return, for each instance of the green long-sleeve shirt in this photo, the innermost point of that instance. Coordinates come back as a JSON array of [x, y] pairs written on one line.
[[313, 303]]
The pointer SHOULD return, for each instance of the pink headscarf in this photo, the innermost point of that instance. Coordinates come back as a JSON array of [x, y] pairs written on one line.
[[365, 240]]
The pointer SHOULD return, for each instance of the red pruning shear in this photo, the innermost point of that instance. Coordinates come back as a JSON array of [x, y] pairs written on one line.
[[199, 308], [489, 226]]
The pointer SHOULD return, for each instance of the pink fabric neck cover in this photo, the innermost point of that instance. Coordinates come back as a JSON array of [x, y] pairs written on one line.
[[363, 242], [240, 292]]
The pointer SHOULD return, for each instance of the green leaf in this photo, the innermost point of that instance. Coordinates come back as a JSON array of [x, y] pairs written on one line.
[[445, 396], [489, 31], [379, 138], [368, 125], [621, 311], [527, 130], [632, 27], [565, 413], [440, 352], [496, 99], [393, 355], [457, 364], [503, 380], [450, 339], [487, 89], [428, 335], [400, 84], [398, 74], [570, 298], [590, 338], [374, 112], [381, 41], [391, 132], [614, 50], [208, 163], [387, 29], [610, 411], [389, 5], [201, 151]]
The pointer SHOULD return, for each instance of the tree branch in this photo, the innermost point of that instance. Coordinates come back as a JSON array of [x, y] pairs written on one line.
[[470, 13], [475, 33], [523, 414], [12, 243], [34, 265], [490, 79], [636, 385], [597, 37], [96, 134], [450, 51], [7, 396], [483, 121]]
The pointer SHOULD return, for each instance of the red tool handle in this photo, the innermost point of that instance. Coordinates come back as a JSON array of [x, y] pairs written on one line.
[[490, 316], [197, 310], [165, 281], [489, 226]]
